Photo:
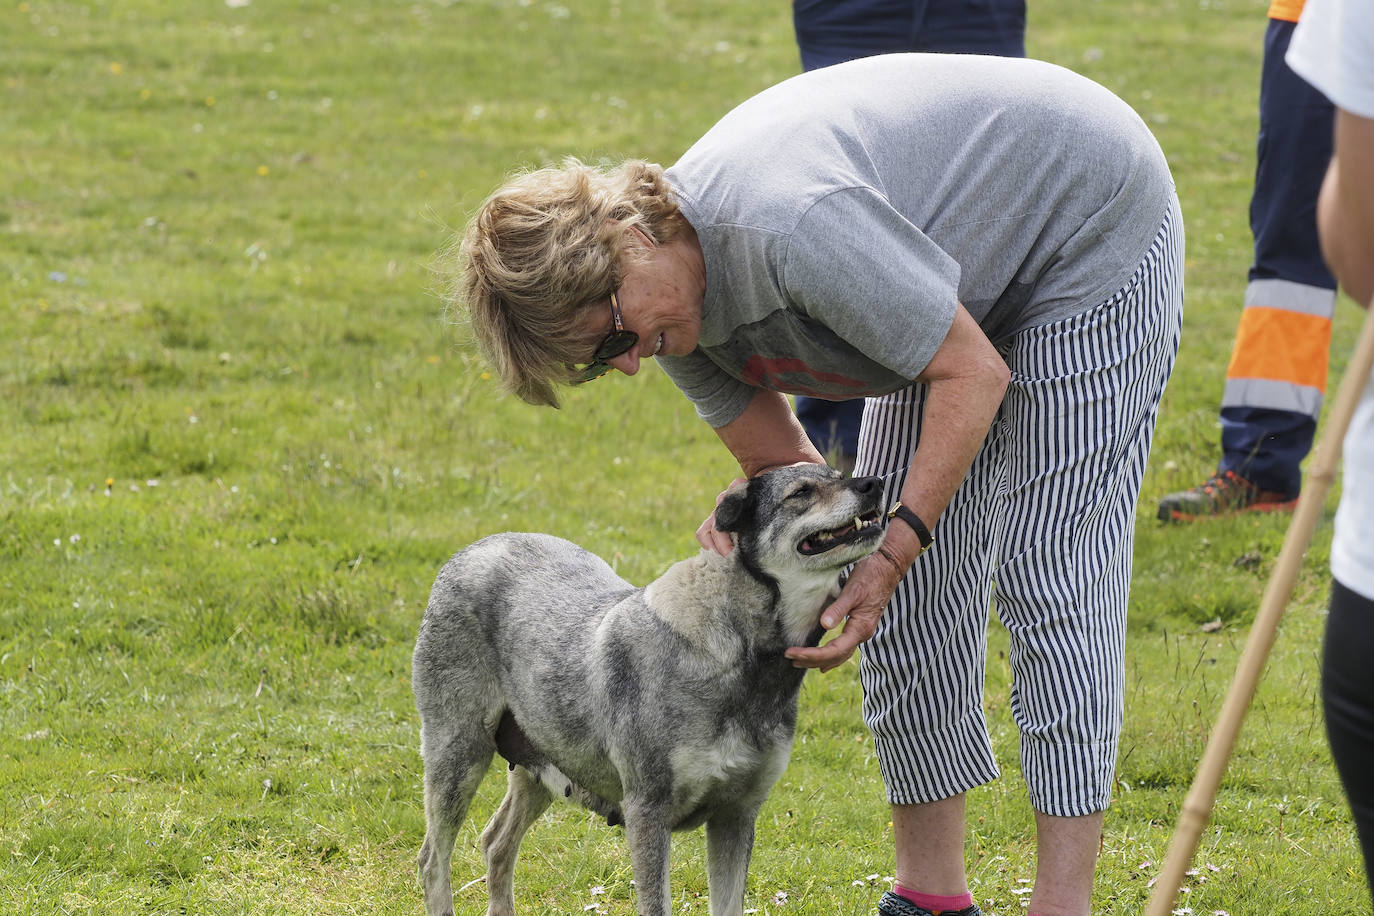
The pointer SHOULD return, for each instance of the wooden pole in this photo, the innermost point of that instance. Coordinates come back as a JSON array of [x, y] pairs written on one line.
[[1197, 806]]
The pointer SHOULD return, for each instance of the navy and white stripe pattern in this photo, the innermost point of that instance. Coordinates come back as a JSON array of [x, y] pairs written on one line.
[[1042, 529]]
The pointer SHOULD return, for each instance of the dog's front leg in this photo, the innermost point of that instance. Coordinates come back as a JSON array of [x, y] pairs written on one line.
[[729, 844], [647, 833]]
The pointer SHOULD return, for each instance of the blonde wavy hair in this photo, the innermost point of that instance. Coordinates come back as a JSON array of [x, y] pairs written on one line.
[[541, 250]]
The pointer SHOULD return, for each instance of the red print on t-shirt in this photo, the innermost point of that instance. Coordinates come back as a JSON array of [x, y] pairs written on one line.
[[788, 375]]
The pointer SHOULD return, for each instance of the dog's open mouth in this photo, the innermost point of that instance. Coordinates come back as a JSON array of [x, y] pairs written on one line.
[[862, 526]]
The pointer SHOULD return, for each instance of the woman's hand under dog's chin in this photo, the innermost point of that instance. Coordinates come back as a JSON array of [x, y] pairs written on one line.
[[860, 604]]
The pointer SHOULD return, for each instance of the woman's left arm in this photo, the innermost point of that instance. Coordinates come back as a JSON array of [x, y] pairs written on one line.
[[966, 380]]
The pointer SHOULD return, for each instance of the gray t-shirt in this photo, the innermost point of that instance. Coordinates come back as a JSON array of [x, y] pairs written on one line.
[[844, 212]]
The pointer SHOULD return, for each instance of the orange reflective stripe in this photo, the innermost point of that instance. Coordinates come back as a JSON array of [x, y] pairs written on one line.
[[1287, 10], [1282, 346]]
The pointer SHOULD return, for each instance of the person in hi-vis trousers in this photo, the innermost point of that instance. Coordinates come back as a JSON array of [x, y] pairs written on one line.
[[1276, 379]]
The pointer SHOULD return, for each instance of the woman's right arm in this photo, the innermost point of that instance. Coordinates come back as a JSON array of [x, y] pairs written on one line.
[[766, 435]]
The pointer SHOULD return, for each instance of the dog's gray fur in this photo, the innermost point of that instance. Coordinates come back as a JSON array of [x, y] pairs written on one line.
[[662, 708]]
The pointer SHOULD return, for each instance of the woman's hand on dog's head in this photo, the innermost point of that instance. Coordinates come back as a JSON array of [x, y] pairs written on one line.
[[710, 537]]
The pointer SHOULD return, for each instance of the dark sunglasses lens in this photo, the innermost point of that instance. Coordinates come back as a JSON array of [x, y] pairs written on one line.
[[591, 372], [616, 344]]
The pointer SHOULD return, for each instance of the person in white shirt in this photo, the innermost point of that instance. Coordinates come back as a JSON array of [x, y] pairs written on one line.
[[1333, 49]]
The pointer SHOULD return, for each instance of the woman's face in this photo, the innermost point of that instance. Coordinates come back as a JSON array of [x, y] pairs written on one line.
[[660, 300]]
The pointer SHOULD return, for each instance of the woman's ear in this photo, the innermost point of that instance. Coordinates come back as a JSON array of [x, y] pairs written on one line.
[[644, 237]]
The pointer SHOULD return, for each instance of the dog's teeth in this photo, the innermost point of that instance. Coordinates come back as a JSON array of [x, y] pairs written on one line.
[[858, 524]]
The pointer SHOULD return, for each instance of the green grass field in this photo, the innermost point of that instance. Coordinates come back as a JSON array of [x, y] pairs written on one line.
[[239, 440]]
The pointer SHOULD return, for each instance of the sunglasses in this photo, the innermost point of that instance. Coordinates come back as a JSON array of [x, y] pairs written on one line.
[[616, 343]]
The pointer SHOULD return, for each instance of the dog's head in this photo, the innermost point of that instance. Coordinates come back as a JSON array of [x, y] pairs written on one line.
[[799, 526]]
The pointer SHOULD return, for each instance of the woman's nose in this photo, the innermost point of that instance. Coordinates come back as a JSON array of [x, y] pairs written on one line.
[[627, 362]]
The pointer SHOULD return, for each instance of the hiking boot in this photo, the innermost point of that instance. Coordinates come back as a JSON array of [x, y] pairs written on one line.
[[1223, 493], [894, 905]]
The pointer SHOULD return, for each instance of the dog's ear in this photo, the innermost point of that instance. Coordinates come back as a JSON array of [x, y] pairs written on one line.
[[733, 509]]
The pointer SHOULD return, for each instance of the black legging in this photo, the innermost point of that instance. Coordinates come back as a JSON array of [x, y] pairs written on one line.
[[1348, 699]]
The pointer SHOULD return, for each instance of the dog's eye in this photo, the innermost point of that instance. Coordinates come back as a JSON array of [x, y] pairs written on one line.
[[804, 491]]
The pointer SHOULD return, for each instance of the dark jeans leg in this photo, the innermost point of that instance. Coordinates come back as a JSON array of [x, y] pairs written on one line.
[[833, 428], [1348, 701]]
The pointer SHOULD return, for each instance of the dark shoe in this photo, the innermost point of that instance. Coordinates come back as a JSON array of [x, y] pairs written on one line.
[[894, 905], [1223, 493]]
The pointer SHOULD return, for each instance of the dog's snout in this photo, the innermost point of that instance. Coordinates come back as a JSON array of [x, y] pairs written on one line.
[[868, 486]]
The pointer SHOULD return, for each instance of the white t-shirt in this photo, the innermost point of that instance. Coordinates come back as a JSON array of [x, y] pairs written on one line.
[[1352, 548], [1333, 49]]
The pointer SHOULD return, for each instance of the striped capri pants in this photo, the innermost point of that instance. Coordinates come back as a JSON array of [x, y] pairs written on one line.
[[1042, 529]]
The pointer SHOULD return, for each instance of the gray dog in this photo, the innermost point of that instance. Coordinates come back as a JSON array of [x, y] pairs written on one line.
[[661, 708]]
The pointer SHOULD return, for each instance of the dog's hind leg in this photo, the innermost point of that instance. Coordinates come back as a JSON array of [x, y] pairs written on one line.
[[454, 766], [729, 844], [526, 798]]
